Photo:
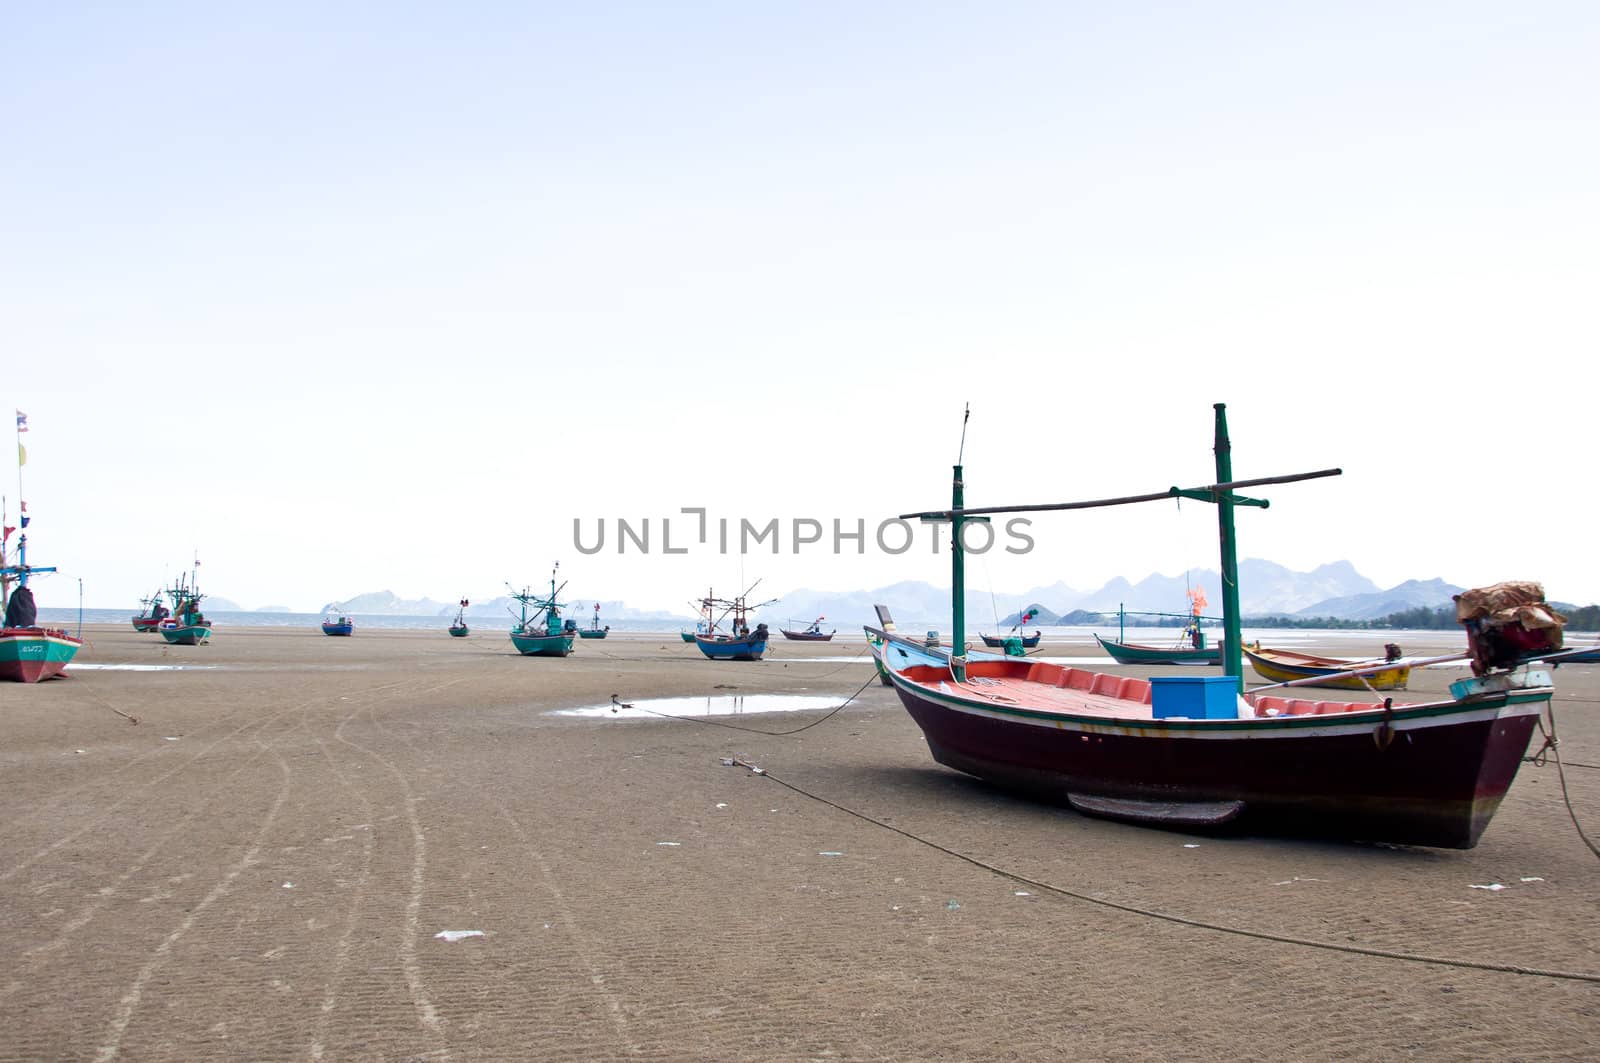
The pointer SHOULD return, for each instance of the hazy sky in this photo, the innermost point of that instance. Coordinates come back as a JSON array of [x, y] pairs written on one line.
[[385, 296]]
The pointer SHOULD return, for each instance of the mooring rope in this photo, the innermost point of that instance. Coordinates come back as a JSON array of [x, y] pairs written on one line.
[[1150, 913], [1552, 747]]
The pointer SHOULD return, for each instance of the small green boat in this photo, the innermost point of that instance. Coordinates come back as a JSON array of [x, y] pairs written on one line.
[[459, 629], [539, 631], [187, 626], [594, 630], [1189, 648]]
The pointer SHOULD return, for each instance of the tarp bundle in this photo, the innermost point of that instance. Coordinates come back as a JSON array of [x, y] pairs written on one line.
[[20, 610], [1507, 623]]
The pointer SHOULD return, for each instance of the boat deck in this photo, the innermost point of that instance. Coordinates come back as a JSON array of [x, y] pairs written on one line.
[[1043, 687]]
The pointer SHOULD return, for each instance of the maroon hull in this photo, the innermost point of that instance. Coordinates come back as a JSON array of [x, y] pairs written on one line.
[[807, 636], [1437, 782]]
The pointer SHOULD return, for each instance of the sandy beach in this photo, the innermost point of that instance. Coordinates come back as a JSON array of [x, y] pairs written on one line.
[[260, 868]]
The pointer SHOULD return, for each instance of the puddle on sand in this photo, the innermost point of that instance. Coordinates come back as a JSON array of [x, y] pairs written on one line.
[[711, 705], [143, 667]]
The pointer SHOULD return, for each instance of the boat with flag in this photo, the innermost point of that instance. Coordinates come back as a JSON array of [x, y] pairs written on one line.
[[594, 630], [1194, 751], [28, 652], [1335, 673], [458, 626], [187, 626], [151, 613], [1189, 647], [1015, 640], [811, 633], [539, 631], [338, 622], [739, 643]]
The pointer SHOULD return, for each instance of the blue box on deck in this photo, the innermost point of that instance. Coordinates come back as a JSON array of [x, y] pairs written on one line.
[[1198, 697]]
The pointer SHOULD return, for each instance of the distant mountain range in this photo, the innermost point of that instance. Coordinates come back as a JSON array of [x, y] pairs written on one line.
[[1335, 590], [1268, 589]]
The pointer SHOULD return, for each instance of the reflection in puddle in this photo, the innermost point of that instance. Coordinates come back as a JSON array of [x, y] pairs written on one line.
[[710, 705]]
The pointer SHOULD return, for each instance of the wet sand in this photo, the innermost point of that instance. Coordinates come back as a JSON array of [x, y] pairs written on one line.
[[258, 869]]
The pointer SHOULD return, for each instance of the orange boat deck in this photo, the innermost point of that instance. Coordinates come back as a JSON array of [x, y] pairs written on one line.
[[1044, 687]]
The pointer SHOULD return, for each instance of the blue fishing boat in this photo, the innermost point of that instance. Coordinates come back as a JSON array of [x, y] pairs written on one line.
[[539, 631], [336, 623], [739, 643]]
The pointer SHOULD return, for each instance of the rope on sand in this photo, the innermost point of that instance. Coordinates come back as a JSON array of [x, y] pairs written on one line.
[[1551, 747], [1149, 913]]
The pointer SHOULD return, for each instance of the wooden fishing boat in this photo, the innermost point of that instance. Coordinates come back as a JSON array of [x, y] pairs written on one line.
[[1142, 653], [187, 626], [32, 653], [28, 652], [540, 631], [740, 643], [812, 633], [996, 642], [1191, 751], [594, 630], [1015, 641], [338, 624], [1289, 666], [458, 626], [151, 613]]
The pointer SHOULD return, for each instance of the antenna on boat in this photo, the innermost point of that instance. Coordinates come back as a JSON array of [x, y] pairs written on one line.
[[966, 413]]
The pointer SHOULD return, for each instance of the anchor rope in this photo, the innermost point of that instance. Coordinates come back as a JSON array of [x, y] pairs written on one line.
[[1199, 924], [1552, 748]]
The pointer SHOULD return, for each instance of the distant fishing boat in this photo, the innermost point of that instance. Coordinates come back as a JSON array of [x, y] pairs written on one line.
[[1188, 648], [1016, 640], [151, 613], [540, 631], [812, 633], [337, 623], [1305, 669], [741, 643], [187, 626], [1192, 751], [594, 631], [458, 627]]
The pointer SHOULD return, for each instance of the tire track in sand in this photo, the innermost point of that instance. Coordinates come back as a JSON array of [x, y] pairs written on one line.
[[613, 1003], [129, 1004]]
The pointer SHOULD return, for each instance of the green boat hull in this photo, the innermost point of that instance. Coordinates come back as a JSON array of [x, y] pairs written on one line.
[[542, 645], [1132, 653], [28, 655], [460, 632], [190, 635]]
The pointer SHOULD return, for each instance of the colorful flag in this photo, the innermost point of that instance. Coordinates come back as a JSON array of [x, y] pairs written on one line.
[[22, 421]]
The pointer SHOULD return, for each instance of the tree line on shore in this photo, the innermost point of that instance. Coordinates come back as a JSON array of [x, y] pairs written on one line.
[[1421, 618]]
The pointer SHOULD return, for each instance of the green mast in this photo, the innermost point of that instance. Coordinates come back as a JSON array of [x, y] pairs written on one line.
[[958, 580], [1232, 640]]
